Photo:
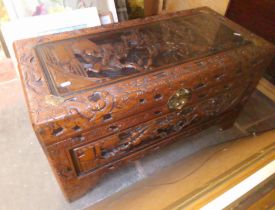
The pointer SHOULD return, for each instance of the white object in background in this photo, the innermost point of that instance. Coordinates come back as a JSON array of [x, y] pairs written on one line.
[[20, 8], [242, 188], [11, 10], [106, 18], [107, 5], [103, 6], [48, 24]]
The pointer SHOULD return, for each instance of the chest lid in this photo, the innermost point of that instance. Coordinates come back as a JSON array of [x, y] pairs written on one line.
[[90, 61], [84, 79]]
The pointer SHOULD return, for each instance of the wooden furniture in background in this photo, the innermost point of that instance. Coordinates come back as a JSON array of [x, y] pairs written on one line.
[[267, 88], [176, 5], [100, 98], [3, 45], [154, 7], [258, 17]]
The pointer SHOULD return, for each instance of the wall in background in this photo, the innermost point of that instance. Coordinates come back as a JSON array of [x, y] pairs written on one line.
[[175, 5]]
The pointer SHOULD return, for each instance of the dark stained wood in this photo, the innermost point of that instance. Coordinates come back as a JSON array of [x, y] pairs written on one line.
[[102, 97], [258, 17]]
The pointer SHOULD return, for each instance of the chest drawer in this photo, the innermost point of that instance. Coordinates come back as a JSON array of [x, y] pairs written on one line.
[[209, 97], [92, 156]]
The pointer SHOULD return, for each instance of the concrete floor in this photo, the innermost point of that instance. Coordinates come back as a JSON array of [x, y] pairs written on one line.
[[26, 180]]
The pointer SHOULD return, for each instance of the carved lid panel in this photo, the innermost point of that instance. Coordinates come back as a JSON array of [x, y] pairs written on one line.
[[86, 62]]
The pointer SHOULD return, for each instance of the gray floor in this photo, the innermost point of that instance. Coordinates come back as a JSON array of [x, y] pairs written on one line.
[[27, 183]]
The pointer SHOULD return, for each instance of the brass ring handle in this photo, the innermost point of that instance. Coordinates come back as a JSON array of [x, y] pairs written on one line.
[[179, 99]]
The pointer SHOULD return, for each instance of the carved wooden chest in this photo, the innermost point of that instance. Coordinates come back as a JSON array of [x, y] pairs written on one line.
[[101, 97]]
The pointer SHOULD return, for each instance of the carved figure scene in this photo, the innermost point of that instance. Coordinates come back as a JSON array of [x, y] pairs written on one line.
[[135, 50]]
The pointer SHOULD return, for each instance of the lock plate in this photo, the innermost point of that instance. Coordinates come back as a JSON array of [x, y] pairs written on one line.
[[179, 99]]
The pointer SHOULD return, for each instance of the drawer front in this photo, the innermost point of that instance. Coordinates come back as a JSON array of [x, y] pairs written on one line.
[[160, 110], [93, 155], [113, 147]]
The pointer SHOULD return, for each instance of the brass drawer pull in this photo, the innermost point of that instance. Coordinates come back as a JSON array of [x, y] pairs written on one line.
[[179, 99]]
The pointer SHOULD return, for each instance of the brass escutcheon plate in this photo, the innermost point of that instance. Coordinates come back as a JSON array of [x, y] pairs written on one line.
[[179, 99]]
